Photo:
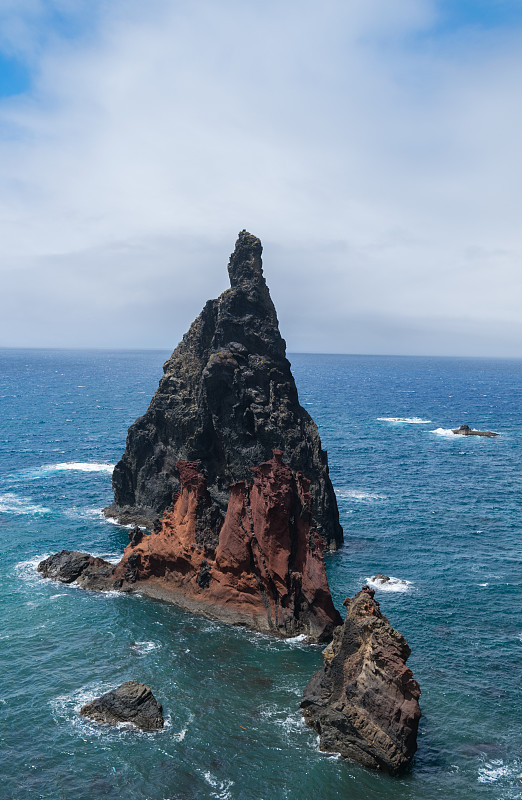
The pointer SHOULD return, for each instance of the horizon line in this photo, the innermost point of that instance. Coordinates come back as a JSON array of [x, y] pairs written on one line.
[[108, 349]]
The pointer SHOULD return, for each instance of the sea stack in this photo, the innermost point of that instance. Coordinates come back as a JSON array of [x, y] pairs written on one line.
[[364, 703], [227, 400], [227, 469]]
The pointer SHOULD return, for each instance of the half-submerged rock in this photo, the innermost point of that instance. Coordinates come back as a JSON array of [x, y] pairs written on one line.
[[226, 400], [364, 702], [465, 430], [130, 702]]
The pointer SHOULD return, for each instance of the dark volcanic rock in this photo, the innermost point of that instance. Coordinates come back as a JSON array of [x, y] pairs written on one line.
[[130, 702], [68, 565], [226, 400], [364, 702], [465, 430]]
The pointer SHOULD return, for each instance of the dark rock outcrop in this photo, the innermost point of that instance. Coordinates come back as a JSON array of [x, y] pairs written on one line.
[[264, 569], [130, 702], [226, 400], [68, 565], [364, 702], [465, 430]]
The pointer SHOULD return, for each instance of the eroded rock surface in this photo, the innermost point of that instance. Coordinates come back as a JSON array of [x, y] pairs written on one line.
[[364, 703], [261, 567], [130, 702], [465, 430], [226, 400]]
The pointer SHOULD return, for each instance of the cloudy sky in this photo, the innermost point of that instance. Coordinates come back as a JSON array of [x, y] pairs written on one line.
[[373, 145]]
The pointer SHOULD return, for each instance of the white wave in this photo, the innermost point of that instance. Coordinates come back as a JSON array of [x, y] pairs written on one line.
[[302, 637], [444, 432], [482, 584], [112, 558], [495, 770], [27, 570], [142, 648], [359, 495], [181, 735], [222, 788], [391, 585], [409, 420], [78, 466], [114, 521], [10, 503]]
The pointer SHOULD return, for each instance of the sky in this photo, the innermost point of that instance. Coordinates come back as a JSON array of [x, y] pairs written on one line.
[[373, 146]]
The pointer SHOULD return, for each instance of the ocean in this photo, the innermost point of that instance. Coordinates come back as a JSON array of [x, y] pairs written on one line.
[[439, 513]]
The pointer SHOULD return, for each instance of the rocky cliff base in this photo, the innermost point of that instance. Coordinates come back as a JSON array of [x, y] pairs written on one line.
[[262, 567], [364, 702]]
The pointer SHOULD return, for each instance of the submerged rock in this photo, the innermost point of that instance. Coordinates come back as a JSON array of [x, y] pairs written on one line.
[[226, 400], [465, 430], [130, 702], [364, 702]]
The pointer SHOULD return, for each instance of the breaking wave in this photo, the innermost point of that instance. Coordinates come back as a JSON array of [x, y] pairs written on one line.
[[409, 420], [389, 585], [76, 466]]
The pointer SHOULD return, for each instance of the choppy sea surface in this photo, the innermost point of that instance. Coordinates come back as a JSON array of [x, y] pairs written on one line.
[[439, 513]]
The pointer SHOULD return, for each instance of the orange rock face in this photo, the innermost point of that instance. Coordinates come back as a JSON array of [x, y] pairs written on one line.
[[267, 571]]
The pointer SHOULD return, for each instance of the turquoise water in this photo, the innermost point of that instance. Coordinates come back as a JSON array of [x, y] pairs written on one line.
[[440, 513]]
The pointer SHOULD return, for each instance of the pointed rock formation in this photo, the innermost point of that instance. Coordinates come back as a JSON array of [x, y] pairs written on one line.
[[364, 702], [226, 400]]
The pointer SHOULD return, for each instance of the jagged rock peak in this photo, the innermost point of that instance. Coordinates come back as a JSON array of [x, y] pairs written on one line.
[[227, 400], [245, 265]]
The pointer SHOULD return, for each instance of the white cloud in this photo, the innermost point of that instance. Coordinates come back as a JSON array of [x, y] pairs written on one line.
[[377, 161]]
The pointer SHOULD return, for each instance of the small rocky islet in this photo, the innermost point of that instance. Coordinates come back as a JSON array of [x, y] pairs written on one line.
[[465, 430], [131, 702], [227, 471]]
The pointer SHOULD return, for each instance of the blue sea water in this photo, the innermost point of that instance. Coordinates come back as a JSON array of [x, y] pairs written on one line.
[[439, 513]]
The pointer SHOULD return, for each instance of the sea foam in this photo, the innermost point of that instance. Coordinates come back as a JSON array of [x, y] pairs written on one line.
[[391, 585], [359, 495], [77, 466], [409, 420], [11, 503]]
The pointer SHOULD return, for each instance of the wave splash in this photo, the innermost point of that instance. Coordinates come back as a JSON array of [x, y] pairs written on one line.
[[77, 466], [409, 420], [388, 585]]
